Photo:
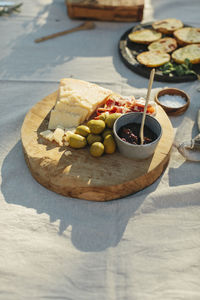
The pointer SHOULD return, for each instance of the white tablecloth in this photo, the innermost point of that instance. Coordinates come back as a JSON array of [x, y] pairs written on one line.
[[144, 246]]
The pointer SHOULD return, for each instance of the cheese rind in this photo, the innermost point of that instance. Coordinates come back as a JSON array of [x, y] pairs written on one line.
[[72, 98], [90, 93]]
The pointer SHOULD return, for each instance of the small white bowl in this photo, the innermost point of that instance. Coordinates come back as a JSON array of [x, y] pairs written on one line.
[[129, 150], [171, 110]]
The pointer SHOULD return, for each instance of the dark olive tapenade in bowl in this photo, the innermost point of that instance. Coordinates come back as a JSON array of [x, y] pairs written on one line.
[[126, 132]]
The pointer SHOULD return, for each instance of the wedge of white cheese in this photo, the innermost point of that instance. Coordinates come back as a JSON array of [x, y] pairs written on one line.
[[64, 106], [76, 102], [58, 135], [64, 119], [47, 135]]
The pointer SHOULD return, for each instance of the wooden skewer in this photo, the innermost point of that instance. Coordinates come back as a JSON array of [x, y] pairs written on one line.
[[86, 25], [145, 107]]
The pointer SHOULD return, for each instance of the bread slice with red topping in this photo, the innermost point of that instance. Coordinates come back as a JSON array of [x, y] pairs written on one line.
[[153, 58], [191, 52], [167, 26], [166, 44], [144, 36], [187, 35]]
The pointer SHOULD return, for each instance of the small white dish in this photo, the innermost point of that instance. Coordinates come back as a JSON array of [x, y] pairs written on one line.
[[173, 96]]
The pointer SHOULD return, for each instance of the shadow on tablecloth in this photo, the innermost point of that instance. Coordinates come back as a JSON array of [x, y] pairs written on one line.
[[95, 225]]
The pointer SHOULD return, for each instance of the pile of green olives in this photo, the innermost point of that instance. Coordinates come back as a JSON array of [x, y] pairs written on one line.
[[98, 134]]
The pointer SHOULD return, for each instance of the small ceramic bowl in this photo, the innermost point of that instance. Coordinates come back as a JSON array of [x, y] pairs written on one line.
[[137, 152], [173, 101]]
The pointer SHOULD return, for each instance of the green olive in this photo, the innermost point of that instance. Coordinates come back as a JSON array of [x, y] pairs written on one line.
[[77, 141], [110, 120], [109, 144], [92, 138], [103, 116], [106, 132], [96, 126], [97, 149], [83, 130]]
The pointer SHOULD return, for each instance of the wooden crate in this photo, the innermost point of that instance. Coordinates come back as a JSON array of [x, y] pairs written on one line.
[[106, 10]]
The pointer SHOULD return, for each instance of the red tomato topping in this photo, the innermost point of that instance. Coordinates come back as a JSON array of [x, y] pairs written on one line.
[[110, 103], [116, 103]]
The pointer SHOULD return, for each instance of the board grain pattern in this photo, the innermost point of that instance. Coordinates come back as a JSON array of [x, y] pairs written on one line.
[[106, 10], [82, 176]]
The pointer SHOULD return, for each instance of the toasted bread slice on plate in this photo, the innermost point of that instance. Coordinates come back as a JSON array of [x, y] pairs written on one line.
[[187, 35], [153, 58], [144, 36], [167, 26], [191, 52], [166, 44]]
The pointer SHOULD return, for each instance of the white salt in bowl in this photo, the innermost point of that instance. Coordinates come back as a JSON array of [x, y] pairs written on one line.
[[173, 101]]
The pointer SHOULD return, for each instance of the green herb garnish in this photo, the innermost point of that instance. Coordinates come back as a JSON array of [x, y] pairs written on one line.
[[172, 68]]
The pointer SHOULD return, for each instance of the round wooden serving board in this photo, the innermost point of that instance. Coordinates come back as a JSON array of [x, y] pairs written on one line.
[[80, 175]]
